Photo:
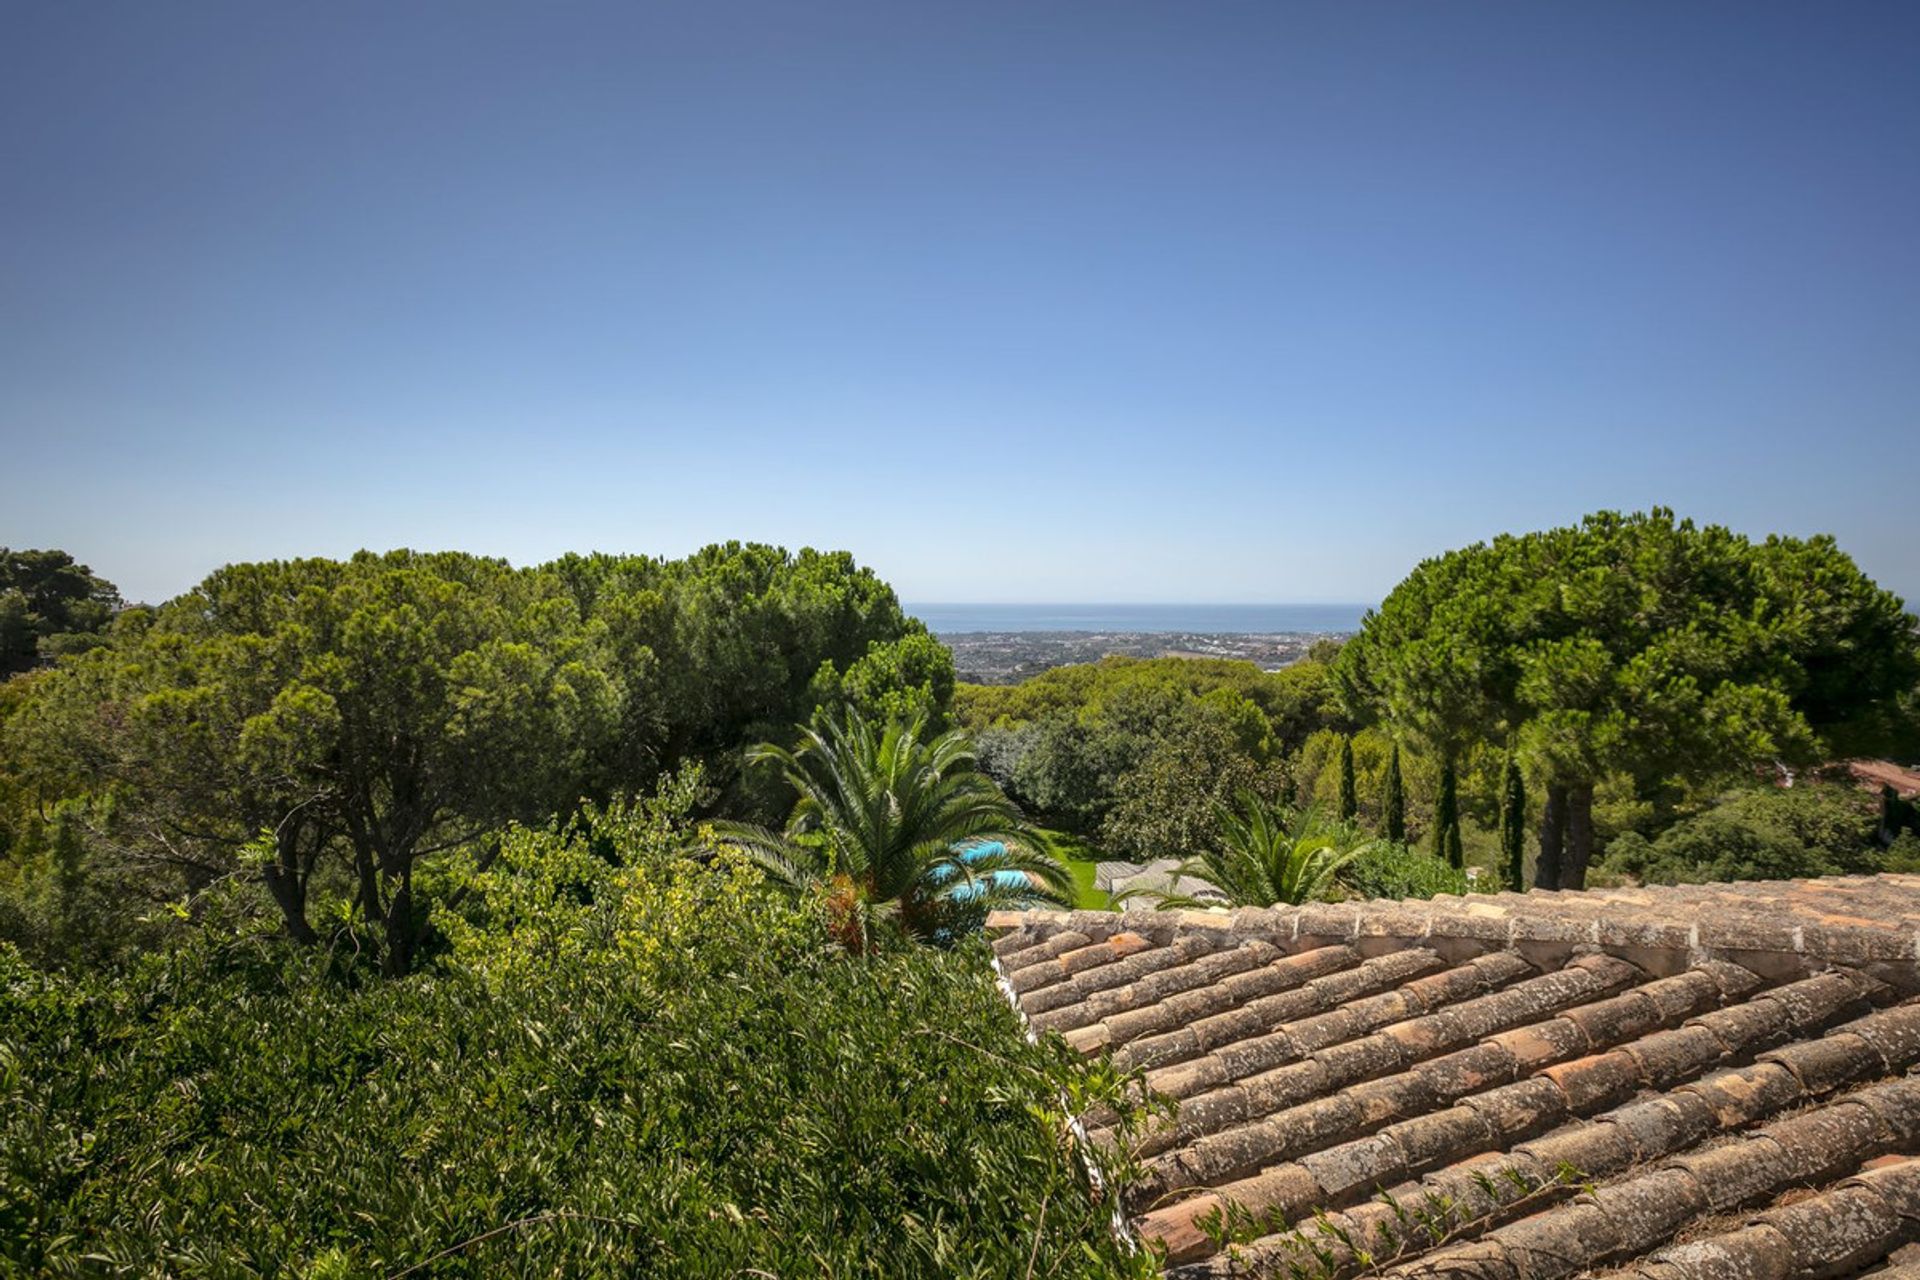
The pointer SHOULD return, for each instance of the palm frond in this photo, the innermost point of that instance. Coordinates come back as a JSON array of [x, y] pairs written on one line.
[[786, 863], [910, 819]]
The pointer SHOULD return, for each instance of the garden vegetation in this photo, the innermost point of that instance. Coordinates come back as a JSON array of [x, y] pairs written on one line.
[[1526, 710], [631, 1059], [333, 941]]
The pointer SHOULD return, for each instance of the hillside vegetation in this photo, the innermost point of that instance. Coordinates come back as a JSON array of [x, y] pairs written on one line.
[[416, 914], [1621, 695], [625, 1063]]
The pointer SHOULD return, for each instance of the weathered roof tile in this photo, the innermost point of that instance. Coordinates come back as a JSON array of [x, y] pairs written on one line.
[[1742, 1095], [1598, 1080], [1647, 1211], [1556, 1084]]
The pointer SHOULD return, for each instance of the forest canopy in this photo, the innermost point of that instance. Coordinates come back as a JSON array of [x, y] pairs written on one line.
[[333, 937], [49, 604], [337, 728], [1639, 646]]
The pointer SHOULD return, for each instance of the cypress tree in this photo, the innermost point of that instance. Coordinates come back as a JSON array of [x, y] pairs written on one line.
[[1393, 801], [1349, 801], [1513, 824], [1896, 814], [1446, 818]]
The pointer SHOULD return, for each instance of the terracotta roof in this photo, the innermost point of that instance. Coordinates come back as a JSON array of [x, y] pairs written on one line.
[[1878, 773], [1692, 1082]]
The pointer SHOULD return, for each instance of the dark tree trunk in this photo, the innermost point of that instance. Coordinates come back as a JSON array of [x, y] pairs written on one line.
[[1553, 836], [399, 928], [368, 877], [1573, 870], [1446, 817], [1513, 825], [289, 890], [287, 877]]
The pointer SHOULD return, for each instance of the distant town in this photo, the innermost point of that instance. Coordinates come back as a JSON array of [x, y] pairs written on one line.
[[1007, 657]]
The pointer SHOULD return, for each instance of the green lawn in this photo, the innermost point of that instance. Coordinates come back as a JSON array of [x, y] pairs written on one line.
[[1083, 859]]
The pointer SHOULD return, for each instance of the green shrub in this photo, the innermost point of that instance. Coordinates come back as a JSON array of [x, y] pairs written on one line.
[[1903, 854], [1762, 834], [1396, 871], [626, 1063]]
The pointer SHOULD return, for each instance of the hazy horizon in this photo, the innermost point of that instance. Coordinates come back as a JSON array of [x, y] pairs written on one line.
[[1142, 617], [1236, 302], [134, 592]]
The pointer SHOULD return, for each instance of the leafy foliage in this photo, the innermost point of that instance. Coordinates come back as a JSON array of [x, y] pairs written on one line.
[[1389, 870], [905, 679], [1144, 751], [373, 715], [901, 830], [628, 1063], [1130, 691], [1637, 644], [1171, 803], [1757, 834], [1273, 855], [48, 604]]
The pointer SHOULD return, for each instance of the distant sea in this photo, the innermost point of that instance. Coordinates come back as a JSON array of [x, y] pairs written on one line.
[[1254, 619]]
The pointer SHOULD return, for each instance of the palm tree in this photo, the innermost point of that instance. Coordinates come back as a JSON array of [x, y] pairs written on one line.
[[900, 829], [1270, 855]]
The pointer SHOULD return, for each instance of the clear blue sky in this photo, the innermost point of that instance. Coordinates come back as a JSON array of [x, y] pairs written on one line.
[[1097, 301]]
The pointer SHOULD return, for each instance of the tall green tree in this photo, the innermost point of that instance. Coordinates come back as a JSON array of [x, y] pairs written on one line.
[[899, 829], [1349, 805], [1447, 842], [387, 708], [48, 600], [1636, 644], [1393, 801], [734, 643], [1168, 804], [1513, 820], [331, 727]]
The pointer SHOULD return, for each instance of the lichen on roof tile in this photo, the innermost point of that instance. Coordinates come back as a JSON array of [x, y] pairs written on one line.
[[1556, 1084]]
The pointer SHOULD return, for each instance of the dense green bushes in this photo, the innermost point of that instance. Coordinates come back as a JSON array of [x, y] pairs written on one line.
[[628, 1063], [1145, 751], [1395, 871], [337, 728], [1766, 833]]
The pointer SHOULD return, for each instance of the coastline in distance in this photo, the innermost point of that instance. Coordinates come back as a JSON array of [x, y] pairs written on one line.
[[1005, 643], [945, 619]]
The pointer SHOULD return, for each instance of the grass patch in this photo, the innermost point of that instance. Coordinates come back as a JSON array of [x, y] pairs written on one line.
[[1083, 860]]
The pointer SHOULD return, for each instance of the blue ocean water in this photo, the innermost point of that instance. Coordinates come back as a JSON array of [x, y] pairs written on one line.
[[1259, 619]]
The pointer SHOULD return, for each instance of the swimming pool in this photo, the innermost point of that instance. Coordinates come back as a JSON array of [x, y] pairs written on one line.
[[986, 848]]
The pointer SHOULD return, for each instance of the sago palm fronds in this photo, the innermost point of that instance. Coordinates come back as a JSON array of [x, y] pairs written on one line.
[[897, 826], [1270, 855]]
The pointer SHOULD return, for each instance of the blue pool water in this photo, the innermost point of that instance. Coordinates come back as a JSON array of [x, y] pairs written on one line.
[[1009, 879]]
